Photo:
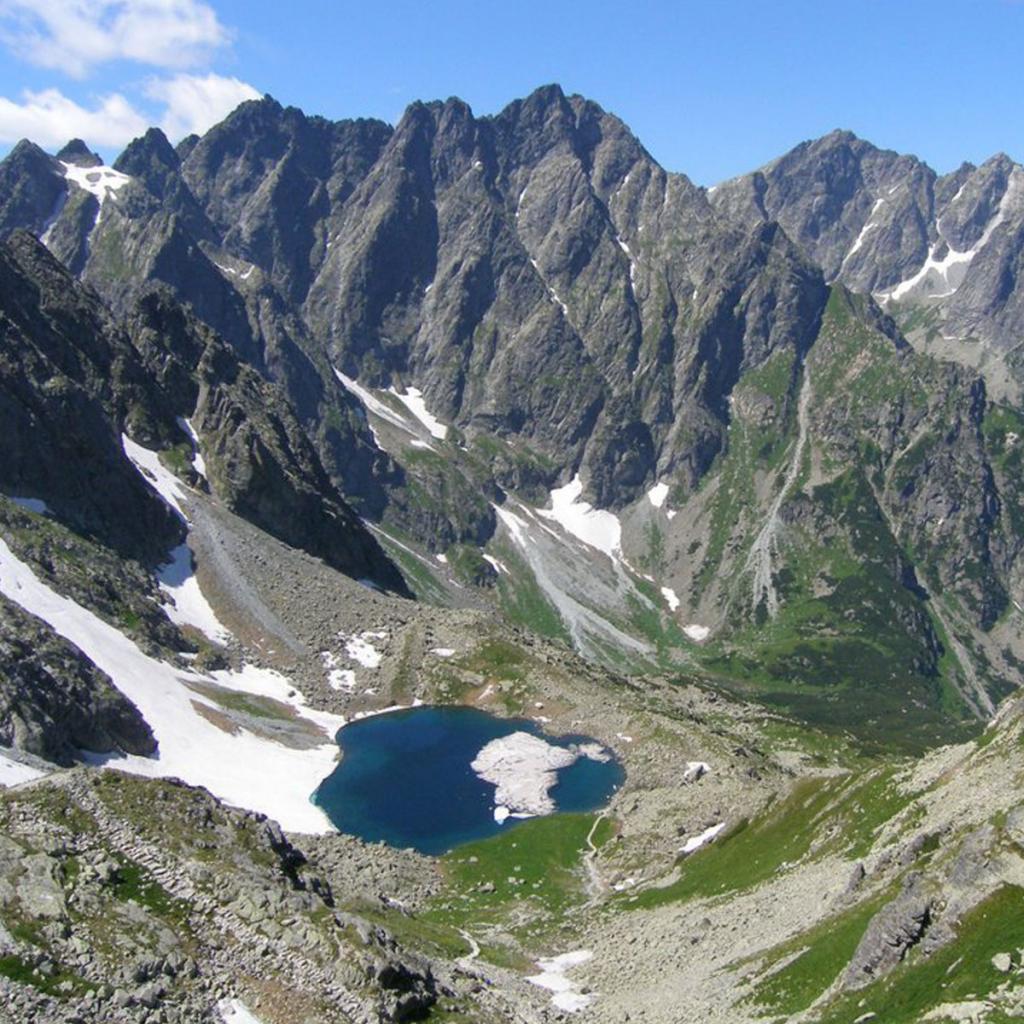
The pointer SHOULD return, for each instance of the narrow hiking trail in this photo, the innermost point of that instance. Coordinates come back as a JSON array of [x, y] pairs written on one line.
[[765, 547]]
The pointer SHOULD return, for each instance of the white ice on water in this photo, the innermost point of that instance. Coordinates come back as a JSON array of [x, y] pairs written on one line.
[[523, 768]]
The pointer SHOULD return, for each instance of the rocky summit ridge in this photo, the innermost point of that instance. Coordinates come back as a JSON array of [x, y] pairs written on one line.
[[305, 419]]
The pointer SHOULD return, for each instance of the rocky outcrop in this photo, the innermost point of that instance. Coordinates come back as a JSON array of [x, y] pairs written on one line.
[[892, 933]]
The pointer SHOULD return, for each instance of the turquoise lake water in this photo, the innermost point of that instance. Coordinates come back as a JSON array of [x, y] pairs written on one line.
[[405, 778]]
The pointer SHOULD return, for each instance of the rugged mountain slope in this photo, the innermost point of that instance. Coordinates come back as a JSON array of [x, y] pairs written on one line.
[[943, 252], [518, 337], [75, 382]]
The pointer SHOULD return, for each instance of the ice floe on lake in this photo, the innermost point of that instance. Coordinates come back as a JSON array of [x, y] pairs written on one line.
[[524, 769]]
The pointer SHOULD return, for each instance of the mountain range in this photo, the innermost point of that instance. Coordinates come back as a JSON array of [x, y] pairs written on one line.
[[507, 380]]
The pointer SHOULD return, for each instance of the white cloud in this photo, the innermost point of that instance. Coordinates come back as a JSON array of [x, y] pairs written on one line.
[[194, 103], [76, 35], [50, 118], [188, 103]]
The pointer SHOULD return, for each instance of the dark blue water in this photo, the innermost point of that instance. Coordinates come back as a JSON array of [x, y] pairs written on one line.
[[405, 778]]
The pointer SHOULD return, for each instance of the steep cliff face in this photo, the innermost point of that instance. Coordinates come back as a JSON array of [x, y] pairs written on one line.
[[70, 383]]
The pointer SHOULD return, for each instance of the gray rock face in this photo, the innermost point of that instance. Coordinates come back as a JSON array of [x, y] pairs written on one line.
[[32, 189], [536, 274], [569, 307], [897, 927]]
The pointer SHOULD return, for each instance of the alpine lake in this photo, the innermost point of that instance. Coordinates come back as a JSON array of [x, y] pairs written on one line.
[[416, 777]]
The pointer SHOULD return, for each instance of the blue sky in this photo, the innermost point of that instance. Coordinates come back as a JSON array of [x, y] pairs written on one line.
[[711, 89]]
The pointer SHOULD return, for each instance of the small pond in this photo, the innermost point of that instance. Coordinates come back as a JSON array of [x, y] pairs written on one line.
[[432, 778]]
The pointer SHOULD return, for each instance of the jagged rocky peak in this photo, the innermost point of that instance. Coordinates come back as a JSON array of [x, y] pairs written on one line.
[[78, 154], [32, 189], [146, 154]]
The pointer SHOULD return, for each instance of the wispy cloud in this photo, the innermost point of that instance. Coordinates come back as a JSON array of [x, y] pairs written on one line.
[[177, 38], [75, 36], [50, 118], [194, 103], [185, 103]]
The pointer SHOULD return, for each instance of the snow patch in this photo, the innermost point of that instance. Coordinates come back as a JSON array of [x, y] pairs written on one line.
[[101, 181], [696, 842], [670, 596], [241, 768], [413, 401], [554, 977], [869, 225], [13, 773], [599, 529], [234, 1011], [156, 474], [697, 632], [373, 404], [359, 649], [198, 463], [338, 678], [695, 770], [940, 278], [498, 567], [443, 652], [188, 606], [657, 495]]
